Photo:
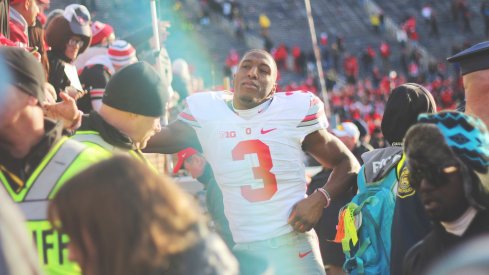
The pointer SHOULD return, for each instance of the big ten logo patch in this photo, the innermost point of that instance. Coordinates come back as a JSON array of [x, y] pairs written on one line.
[[51, 245], [404, 189], [235, 133]]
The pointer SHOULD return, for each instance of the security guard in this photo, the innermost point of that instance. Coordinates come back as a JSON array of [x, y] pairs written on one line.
[[35, 158], [133, 102], [474, 67]]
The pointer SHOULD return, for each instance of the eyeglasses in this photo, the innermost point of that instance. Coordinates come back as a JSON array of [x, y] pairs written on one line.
[[76, 42], [436, 176]]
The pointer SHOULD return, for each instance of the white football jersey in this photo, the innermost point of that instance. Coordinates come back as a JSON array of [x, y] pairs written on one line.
[[257, 161]]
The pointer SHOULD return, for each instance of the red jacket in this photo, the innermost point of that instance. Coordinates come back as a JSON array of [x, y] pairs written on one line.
[[17, 33], [4, 41]]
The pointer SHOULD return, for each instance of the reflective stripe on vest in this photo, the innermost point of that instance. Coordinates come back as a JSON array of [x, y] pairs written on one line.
[[35, 210], [52, 172]]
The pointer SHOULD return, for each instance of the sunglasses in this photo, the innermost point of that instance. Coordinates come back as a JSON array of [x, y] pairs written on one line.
[[76, 42], [437, 176]]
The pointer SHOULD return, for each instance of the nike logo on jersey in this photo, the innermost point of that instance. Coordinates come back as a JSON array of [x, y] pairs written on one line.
[[267, 131], [302, 255]]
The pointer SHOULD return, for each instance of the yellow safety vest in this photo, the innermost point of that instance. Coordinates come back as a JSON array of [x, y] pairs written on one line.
[[65, 159], [93, 139]]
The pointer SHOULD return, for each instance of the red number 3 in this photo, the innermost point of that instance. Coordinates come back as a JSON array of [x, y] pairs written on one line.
[[261, 172]]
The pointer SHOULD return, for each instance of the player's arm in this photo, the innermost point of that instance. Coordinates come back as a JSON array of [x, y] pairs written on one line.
[[175, 137], [331, 153]]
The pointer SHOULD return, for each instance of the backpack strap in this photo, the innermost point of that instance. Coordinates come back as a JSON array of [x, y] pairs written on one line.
[[362, 180], [363, 247]]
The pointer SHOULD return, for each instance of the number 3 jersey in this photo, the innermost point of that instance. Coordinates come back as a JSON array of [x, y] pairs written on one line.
[[257, 161]]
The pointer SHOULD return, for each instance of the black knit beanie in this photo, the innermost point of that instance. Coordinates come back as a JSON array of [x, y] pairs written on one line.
[[404, 105], [137, 89]]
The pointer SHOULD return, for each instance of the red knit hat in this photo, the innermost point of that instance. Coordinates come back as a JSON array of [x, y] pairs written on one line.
[[100, 31]]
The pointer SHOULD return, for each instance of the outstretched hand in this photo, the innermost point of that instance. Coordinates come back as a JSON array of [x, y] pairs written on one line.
[[65, 111], [306, 213], [74, 93]]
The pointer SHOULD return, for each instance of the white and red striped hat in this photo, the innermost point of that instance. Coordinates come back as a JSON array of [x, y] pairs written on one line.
[[121, 53]]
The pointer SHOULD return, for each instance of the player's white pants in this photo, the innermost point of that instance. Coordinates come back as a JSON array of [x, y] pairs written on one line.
[[293, 253]]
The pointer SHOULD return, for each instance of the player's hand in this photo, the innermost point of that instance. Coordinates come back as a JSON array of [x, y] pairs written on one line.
[[306, 213]]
